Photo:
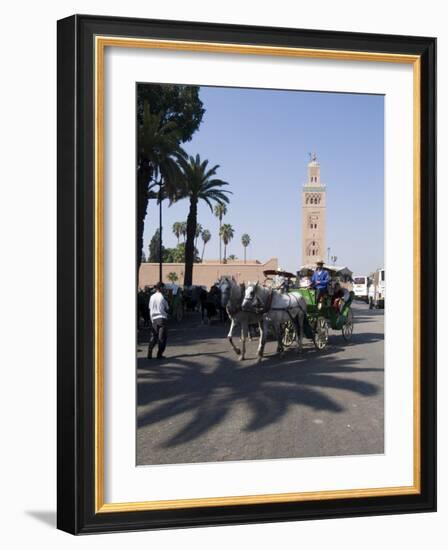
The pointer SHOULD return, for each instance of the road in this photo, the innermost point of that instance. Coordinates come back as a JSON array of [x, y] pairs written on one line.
[[203, 405]]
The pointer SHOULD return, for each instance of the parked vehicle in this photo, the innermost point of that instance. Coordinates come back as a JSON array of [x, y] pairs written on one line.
[[377, 290], [360, 287]]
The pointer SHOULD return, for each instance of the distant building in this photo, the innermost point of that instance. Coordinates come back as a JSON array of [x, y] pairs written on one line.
[[208, 272], [313, 215]]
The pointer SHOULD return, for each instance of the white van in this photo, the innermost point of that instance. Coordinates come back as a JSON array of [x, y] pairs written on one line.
[[360, 287]]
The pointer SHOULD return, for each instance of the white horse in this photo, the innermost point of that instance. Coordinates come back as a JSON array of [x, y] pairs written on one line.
[[276, 308], [232, 295]]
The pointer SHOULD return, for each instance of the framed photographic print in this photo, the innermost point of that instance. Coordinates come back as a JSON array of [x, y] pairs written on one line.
[[230, 201]]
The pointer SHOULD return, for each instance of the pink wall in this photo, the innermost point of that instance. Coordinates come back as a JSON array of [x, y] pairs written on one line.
[[208, 272]]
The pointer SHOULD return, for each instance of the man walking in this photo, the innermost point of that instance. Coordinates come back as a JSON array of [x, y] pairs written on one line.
[[158, 312]]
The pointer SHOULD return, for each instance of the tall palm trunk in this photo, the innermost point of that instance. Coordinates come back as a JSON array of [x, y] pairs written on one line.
[[189, 245], [202, 255], [220, 239], [143, 178], [244, 254]]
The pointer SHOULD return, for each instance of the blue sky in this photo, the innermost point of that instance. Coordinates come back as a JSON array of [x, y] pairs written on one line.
[[261, 140]]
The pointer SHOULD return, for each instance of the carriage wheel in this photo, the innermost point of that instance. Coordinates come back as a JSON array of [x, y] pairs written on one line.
[[321, 333], [347, 328], [288, 334]]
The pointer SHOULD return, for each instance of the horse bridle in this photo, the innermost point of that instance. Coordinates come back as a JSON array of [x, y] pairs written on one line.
[[259, 307]]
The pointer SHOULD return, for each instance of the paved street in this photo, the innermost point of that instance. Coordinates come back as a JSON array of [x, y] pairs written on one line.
[[203, 405]]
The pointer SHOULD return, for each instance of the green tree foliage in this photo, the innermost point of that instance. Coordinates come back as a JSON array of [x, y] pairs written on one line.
[[158, 172], [245, 241], [205, 236], [176, 103], [177, 230], [199, 184], [154, 248], [197, 233], [183, 229], [220, 212], [172, 277], [176, 113], [226, 233], [177, 255]]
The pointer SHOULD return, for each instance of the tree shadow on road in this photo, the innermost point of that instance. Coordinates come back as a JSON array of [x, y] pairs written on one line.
[[357, 338], [207, 393]]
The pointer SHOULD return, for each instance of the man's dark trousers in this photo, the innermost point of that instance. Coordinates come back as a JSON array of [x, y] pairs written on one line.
[[158, 336]]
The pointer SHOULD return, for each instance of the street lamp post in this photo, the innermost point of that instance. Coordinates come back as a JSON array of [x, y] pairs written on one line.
[[160, 231]]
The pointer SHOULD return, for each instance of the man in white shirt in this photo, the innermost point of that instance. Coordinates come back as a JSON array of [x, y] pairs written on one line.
[[158, 312]]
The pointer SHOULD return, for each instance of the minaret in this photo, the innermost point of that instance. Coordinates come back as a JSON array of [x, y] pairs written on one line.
[[313, 215]]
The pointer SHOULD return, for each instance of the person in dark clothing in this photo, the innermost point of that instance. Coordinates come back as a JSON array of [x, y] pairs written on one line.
[[158, 311], [203, 301]]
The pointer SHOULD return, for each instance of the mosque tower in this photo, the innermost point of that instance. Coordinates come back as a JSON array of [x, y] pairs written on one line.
[[313, 215]]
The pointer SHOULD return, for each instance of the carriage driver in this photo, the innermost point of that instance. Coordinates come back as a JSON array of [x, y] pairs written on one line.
[[320, 280]]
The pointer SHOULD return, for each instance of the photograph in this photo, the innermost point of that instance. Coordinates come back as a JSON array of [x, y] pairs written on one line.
[[261, 287]]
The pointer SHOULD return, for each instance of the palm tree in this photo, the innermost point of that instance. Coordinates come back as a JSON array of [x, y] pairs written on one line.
[[226, 233], [159, 154], [205, 236], [172, 276], [183, 229], [177, 230], [245, 241], [232, 257], [220, 212], [197, 234], [199, 184]]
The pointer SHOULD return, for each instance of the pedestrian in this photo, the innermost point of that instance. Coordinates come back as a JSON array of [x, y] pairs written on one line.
[[158, 312], [203, 301]]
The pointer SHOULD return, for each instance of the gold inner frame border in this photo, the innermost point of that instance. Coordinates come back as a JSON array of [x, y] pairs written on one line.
[[101, 42]]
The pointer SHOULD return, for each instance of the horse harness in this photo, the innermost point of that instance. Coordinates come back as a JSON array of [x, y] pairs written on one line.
[[287, 309]]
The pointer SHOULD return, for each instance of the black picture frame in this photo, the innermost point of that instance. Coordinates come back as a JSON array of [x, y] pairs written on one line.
[[76, 285]]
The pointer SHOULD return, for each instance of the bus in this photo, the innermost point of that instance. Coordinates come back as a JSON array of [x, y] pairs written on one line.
[[360, 287]]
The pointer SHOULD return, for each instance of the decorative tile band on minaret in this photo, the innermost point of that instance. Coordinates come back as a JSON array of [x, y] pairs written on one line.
[[313, 214]]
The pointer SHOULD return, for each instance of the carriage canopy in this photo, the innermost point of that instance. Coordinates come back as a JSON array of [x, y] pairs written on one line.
[[337, 271]]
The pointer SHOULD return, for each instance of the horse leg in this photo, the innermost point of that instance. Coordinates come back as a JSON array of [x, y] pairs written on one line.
[[230, 337], [249, 330], [262, 342], [243, 340]]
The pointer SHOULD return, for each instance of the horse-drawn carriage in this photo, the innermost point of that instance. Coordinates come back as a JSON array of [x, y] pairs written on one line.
[[330, 311], [290, 310]]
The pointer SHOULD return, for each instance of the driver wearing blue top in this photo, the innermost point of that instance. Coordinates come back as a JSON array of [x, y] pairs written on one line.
[[320, 280]]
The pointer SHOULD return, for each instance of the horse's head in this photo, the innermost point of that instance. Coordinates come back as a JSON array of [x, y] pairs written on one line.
[[225, 287], [250, 300]]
